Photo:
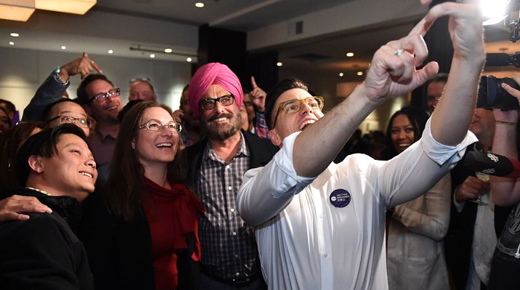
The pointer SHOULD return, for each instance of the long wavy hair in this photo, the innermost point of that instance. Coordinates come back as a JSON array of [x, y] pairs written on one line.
[[418, 120], [125, 185]]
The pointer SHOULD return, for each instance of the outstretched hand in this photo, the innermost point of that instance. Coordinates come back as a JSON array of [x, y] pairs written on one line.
[[257, 95], [83, 66], [393, 68], [509, 116]]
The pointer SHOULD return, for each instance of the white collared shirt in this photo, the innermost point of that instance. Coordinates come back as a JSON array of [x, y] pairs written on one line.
[[306, 242]]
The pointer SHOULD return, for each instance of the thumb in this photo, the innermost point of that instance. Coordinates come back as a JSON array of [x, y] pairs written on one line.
[[85, 54], [426, 73]]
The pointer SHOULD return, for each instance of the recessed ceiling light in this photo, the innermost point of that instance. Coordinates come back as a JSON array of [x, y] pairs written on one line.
[[350, 54], [341, 74], [199, 4], [14, 34], [279, 63], [359, 73], [152, 55], [189, 59], [11, 43], [168, 50], [63, 47], [110, 51]]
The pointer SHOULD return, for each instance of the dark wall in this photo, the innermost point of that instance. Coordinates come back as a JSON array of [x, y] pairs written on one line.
[[229, 47]]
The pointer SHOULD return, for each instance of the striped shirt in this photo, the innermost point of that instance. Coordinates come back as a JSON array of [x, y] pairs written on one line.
[[228, 246]]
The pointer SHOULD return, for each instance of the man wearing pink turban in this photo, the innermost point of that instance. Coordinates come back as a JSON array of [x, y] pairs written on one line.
[[217, 164]]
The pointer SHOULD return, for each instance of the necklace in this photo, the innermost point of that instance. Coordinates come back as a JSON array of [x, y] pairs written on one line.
[[39, 190]]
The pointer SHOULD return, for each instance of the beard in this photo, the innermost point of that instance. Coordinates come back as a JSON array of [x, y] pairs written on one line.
[[222, 132]]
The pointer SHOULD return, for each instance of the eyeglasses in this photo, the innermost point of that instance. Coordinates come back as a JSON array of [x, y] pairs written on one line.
[[295, 105], [100, 98], [156, 126], [209, 103], [80, 122]]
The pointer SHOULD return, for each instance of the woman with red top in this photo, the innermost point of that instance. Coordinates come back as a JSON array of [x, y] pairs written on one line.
[[140, 230]]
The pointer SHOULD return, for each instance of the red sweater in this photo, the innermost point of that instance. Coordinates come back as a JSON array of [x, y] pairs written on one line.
[[172, 215]]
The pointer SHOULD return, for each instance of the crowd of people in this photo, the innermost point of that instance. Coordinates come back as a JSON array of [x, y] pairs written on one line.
[[256, 190]]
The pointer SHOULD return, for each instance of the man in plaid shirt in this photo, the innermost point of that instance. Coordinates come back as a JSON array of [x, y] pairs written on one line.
[[217, 164]]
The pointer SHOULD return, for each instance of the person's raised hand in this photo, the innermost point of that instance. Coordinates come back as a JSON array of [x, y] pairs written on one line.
[[82, 65], [257, 95]]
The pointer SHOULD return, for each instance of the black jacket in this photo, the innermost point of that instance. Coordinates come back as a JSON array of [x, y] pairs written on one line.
[[43, 252]]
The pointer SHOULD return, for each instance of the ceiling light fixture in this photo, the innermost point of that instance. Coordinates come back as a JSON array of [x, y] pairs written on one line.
[[14, 34], [16, 10], [279, 63], [199, 5], [110, 51], [350, 54], [189, 59], [152, 55], [63, 47], [340, 75], [66, 6], [168, 50], [11, 43], [359, 73]]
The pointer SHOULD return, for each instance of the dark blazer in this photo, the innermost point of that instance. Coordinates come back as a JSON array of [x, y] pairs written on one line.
[[261, 152], [43, 252], [120, 252]]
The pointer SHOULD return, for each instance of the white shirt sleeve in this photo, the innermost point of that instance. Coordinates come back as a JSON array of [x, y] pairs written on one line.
[[266, 191], [418, 168]]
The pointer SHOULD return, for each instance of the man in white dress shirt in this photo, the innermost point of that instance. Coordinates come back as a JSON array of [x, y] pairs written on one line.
[[321, 225]]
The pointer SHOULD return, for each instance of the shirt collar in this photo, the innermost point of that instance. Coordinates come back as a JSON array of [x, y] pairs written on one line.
[[210, 154]]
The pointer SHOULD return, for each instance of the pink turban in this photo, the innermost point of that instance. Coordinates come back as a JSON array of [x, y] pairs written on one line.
[[213, 73]]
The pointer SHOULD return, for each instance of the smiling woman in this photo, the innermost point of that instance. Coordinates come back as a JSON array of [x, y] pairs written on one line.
[[140, 231]]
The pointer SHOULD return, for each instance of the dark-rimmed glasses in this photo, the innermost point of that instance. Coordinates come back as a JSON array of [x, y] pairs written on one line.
[[209, 103], [295, 105], [156, 126], [80, 122], [100, 98]]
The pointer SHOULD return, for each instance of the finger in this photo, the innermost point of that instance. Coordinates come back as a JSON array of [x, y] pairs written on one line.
[[426, 2], [415, 45], [253, 83], [85, 55], [427, 72], [11, 216], [437, 11], [96, 67], [395, 65], [515, 93]]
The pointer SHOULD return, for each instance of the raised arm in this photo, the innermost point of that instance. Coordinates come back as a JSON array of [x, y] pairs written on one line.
[[392, 73], [506, 191], [52, 89]]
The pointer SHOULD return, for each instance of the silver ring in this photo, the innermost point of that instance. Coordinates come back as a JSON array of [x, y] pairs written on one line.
[[398, 52]]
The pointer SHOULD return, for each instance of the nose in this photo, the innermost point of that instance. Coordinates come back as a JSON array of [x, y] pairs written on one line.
[[166, 132], [91, 163], [402, 134]]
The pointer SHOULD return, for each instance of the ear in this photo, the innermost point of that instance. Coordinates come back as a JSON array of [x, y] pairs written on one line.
[[133, 143], [275, 139], [35, 164]]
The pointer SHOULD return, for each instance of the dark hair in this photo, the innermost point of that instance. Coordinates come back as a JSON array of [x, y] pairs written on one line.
[[42, 144], [438, 78], [275, 92], [121, 115], [7, 115], [418, 120], [8, 105], [125, 185], [10, 142], [83, 96], [48, 109]]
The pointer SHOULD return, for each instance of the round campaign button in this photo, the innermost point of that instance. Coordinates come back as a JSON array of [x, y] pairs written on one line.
[[340, 198]]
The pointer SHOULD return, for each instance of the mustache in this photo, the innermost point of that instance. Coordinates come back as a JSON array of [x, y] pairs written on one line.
[[229, 116]]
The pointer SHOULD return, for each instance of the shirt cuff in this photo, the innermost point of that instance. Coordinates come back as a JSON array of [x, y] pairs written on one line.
[[58, 80], [284, 161], [441, 153], [458, 206]]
